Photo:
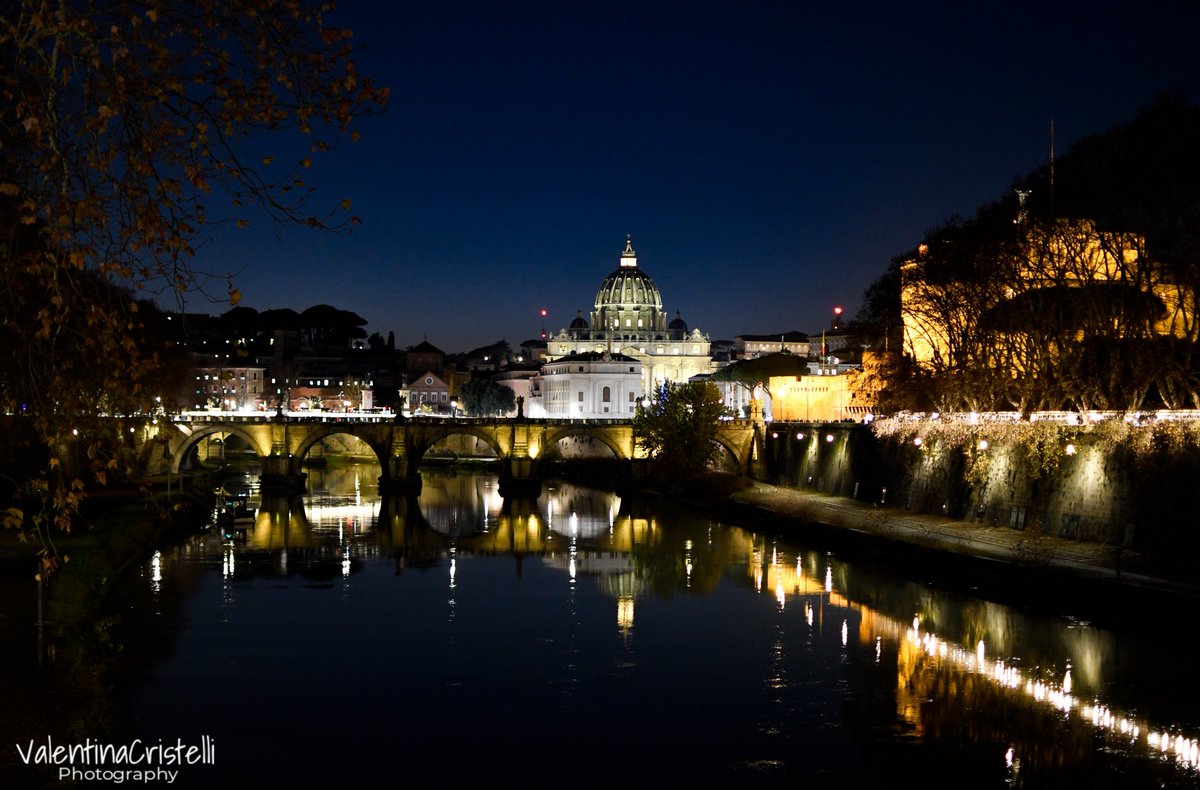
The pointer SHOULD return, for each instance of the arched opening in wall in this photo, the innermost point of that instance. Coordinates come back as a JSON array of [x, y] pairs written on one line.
[[229, 447], [337, 450], [724, 460], [339, 464], [217, 450], [580, 446], [460, 448], [584, 457]]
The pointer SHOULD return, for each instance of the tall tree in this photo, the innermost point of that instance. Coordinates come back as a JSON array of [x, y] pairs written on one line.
[[486, 398], [679, 427], [126, 129]]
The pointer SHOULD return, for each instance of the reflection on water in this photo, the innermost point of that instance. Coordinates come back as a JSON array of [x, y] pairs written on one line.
[[646, 630]]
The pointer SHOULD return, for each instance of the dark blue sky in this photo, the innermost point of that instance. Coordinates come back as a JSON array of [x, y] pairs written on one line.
[[767, 158]]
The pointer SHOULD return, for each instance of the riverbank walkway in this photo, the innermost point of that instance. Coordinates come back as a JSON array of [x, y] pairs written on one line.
[[1174, 576]]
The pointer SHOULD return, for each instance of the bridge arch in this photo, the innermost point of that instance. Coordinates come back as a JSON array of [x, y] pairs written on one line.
[[184, 447], [552, 438], [430, 439], [324, 431], [727, 457]]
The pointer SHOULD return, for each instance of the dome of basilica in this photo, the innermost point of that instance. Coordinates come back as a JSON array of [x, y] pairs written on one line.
[[628, 288], [628, 319]]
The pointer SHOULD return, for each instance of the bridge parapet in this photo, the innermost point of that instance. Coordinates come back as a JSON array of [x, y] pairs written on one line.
[[282, 441]]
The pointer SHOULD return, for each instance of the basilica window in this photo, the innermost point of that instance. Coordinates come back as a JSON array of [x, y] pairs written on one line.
[[606, 395]]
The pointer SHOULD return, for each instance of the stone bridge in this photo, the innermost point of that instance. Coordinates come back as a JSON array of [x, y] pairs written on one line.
[[283, 442]]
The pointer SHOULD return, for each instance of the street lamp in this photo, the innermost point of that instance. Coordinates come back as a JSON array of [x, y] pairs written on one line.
[[454, 408]]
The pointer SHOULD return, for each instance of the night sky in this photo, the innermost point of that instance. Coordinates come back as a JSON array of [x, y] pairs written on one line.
[[768, 159]]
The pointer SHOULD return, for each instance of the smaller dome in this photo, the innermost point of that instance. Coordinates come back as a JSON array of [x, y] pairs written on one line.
[[580, 322], [677, 329]]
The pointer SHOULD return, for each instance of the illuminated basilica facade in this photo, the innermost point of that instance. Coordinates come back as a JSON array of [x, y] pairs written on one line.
[[628, 319]]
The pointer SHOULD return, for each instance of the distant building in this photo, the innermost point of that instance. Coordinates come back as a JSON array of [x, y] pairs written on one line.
[[423, 357], [628, 319], [522, 380], [329, 387], [589, 385], [744, 384], [226, 387], [748, 346], [1070, 264], [427, 393], [533, 350]]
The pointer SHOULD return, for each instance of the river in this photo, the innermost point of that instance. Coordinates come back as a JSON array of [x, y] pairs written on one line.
[[583, 639]]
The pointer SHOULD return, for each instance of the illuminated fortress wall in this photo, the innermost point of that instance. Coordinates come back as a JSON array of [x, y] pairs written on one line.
[[1128, 486]]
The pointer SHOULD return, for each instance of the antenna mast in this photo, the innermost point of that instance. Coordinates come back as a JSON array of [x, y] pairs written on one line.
[[1051, 167]]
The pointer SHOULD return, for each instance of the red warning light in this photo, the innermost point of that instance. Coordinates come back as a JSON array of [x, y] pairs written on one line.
[[837, 311], [543, 312]]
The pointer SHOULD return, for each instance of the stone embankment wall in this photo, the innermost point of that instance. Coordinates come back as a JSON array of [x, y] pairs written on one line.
[[1115, 483]]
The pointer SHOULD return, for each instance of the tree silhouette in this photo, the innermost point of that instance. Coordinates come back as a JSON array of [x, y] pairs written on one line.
[[125, 130], [679, 427]]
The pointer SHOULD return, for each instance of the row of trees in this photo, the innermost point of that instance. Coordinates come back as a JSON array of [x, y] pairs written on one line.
[[1019, 308]]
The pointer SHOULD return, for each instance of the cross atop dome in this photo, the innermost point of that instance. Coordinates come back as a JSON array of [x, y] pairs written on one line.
[[629, 257]]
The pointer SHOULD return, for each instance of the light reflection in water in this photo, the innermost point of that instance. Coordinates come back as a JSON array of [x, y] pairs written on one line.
[[603, 542], [156, 573], [924, 650]]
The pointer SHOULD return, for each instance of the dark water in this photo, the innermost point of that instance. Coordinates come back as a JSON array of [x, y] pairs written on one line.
[[585, 640]]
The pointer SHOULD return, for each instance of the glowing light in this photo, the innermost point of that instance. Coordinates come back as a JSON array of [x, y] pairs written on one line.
[[845, 633], [983, 444], [625, 612], [829, 437], [1070, 449], [918, 441], [544, 312], [799, 436]]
